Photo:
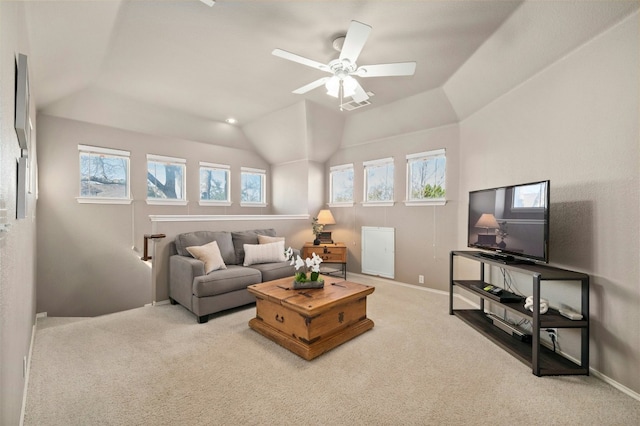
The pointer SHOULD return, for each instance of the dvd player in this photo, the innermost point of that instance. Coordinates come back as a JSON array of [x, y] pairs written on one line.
[[510, 329]]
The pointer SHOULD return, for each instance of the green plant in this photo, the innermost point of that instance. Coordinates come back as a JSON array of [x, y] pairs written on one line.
[[433, 191], [316, 227]]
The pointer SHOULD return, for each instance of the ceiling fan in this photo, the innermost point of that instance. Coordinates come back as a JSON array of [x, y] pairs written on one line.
[[343, 69]]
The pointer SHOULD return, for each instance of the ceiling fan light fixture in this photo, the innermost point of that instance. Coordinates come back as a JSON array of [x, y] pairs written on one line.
[[349, 86], [333, 86]]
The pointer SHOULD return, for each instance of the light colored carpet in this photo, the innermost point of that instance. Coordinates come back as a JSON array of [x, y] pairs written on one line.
[[418, 365]]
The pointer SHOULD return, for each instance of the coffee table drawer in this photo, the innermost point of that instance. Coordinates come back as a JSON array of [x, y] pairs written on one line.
[[308, 329]]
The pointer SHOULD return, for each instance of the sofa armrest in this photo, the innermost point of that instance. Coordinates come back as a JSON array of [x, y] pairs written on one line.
[[182, 271]]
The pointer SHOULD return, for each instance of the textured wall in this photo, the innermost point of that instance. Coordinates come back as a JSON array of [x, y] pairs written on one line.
[[576, 123], [17, 246]]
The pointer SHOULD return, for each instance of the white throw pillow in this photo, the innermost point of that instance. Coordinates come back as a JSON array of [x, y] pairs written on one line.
[[263, 253], [210, 255], [265, 239]]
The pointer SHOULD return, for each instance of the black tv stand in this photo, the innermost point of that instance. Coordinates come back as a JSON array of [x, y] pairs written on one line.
[[543, 361]]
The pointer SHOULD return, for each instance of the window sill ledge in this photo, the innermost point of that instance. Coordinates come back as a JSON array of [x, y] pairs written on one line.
[[349, 204], [91, 200], [378, 203], [420, 203], [160, 202], [215, 203]]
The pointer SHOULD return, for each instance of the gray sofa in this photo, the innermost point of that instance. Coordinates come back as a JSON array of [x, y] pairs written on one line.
[[222, 289]]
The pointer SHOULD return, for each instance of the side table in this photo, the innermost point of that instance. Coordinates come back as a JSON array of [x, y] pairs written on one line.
[[330, 254]]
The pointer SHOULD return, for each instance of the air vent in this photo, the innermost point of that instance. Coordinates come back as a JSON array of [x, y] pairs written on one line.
[[350, 106]]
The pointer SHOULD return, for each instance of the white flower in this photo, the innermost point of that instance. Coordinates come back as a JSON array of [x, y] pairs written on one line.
[[299, 262], [312, 264]]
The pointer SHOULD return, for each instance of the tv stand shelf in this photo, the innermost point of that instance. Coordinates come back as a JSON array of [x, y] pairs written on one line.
[[543, 361]]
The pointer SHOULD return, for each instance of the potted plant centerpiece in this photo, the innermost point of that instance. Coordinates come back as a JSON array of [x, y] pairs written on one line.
[[317, 228], [307, 271]]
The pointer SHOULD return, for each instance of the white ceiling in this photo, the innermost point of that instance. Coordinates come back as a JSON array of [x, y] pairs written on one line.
[[216, 62], [211, 63]]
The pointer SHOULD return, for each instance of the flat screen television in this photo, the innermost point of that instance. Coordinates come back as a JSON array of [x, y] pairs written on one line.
[[511, 221]]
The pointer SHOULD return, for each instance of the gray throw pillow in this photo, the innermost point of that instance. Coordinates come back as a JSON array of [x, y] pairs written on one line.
[[247, 237], [200, 238]]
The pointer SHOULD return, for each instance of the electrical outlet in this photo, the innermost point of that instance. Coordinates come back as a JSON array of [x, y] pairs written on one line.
[[420, 279]]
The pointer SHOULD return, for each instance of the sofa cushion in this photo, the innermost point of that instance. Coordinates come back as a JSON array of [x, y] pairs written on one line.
[[210, 255], [247, 237], [275, 271], [225, 280], [200, 238], [263, 253]]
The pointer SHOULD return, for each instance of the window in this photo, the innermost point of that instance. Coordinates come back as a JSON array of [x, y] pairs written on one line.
[[165, 180], [341, 185], [214, 184], [378, 181], [104, 175], [426, 172], [252, 187]]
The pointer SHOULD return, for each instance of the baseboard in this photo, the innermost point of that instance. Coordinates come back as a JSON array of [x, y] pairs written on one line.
[[154, 303], [26, 378]]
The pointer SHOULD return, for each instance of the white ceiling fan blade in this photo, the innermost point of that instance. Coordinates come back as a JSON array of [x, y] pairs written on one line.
[[300, 59], [354, 41], [311, 86], [387, 70], [360, 95]]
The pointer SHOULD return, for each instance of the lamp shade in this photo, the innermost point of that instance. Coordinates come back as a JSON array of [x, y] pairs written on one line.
[[326, 218], [333, 86], [487, 221]]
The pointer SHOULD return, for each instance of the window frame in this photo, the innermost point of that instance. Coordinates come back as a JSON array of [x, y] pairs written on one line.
[[410, 158], [173, 161], [368, 165], [217, 167], [101, 151], [336, 169], [263, 190]]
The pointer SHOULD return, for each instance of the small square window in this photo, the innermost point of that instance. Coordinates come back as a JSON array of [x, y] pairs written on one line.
[[214, 184], [252, 187], [426, 173], [341, 184], [104, 175], [165, 180], [378, 181]]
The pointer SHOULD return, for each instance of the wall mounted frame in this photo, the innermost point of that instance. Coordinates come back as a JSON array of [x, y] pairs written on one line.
[[23, 129], [21, 190]]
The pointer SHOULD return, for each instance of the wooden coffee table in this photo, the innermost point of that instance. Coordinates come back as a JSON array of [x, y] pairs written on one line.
[[310, 322]]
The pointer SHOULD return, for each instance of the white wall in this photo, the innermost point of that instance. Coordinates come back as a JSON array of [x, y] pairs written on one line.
[[576, 123], [17, 246]]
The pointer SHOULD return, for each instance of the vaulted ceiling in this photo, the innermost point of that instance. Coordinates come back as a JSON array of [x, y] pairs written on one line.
[[210, 63]]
